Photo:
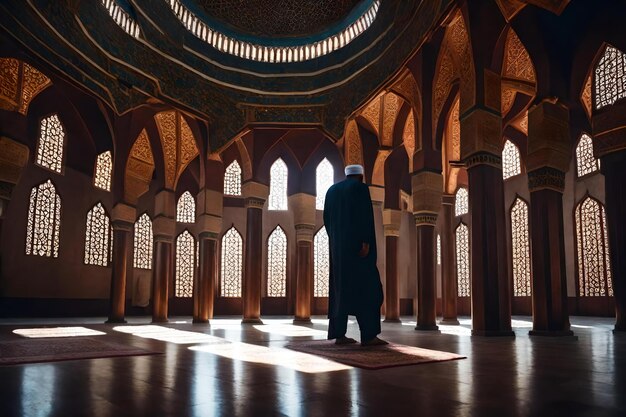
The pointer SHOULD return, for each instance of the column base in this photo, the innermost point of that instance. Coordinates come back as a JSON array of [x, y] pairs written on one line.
[[302, 320], [553, 333], [392, 320], [449, 322], [160, 320], [428, 327], [112, 320], [493, 333], [200, 321], [251, 321], [620, 328]]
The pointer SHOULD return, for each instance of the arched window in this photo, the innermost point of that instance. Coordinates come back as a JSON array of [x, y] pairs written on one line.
[[462, 261], [323, 181], [104, 168], [143, 243], [277, 263], [44, 221], [460, 202], [321, 263], [610, 77], [98, 241], [232, 261], [511, 163], [232, 179], [50, 144], [586, 163], [438, 249], [278, 186], [521, 249], [185, 246], [186, 208], [594, 271]]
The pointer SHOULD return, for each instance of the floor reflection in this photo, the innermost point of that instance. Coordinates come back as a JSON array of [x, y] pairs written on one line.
[[33, 333]]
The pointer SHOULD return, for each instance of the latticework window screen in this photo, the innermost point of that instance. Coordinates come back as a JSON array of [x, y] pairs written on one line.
[[232, 179], [277, 263], [511, 163], [44, 221], [610, 77], [143, 243], [462, 261], [321, 263], [323, 181], [185, 260], [186, 208], [98, 242], [50, 144], [104, 169], [461, 202], [521, 249], [232, 264], [586, 163], [278, 186]]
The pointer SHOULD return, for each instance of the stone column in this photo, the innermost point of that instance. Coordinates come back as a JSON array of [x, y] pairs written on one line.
[[449, 289], [122, 220], [481, 149], [391, 226], [427, 189], [209, 206], [164, 229], [255, 195], [303, 209], [549, 155]]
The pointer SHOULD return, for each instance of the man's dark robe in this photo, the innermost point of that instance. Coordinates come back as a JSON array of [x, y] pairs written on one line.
[[355, 287]]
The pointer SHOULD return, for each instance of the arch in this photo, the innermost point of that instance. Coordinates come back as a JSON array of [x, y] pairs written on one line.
[[353, 154], [277, 263], [586, 163], [609, 81], [103, 171], [232, 264], [51, 143], [511, 161], [98, 237], [232, 179], [44, 221], [142, 243], [592, 260], [140, 168], [321, 263], [520, 242], [324, 179], [20, 83], [186, 208], [462, 260], [185, 264], [279, 176], [461, 205]]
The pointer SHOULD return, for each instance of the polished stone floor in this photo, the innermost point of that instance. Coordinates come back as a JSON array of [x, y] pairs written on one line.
[[229, 369]]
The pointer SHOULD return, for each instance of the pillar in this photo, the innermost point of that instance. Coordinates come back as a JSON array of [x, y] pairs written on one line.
[[164, 229], [122, 221], [481, 150], [449, 289], [255, 194], [303, 208], [391, 227], [427, 189], [209, 205], [549, 156]]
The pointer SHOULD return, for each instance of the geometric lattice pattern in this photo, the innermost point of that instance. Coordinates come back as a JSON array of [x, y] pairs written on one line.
[[50, 145], [44, 221], [586, 163], [511, 164], [521, 249], [232, 263], [323, 181], [610, 77], [594, 272], [461, 202], [438, 249], [277, 263], [122, 18], [143, 243], [185, 256], [278, 186], [321, 263], [186, 208], [104, 168], [98, 237], [232, 179], [462, 260]]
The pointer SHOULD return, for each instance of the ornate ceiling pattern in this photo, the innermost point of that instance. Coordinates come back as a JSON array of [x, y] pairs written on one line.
[[178, 144], [19, 84], [139, 168]]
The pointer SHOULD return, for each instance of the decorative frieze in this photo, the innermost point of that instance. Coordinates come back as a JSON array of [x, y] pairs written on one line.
[[546, 178]]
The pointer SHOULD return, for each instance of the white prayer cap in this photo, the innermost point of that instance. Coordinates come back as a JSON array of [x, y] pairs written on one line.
[[354, 170]]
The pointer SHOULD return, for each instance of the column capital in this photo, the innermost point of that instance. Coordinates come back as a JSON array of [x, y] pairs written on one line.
[[483, 158], [123, 212], [448, 199], [391, 222], [305, 232], [425, 219], [549, 143], [255, 190], [481, 132], [209, 226], [303, 208], [546, 178], [164, 228], [427, 187], [209, 202], [165, 203]]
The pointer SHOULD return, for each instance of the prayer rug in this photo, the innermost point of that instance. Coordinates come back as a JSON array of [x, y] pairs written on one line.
[[15, 352], [373, 357]]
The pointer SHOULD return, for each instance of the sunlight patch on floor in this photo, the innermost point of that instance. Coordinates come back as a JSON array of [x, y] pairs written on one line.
[[57, 332], [288, 330], [301, 362], [166, 334]]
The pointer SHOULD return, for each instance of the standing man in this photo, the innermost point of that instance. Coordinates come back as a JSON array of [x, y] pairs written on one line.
[[355, 287]]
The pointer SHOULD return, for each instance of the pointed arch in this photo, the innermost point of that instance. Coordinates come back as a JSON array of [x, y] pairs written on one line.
[[44, 221], [19, 84], [232, 179], [609, 82], [186, 208], [139, 168], [520, 242], [185, 257], [51, 143], [462, 260], [586, 163], [103, 171], [277, 199], [321, 263], [232, 264], [98, 237], [461, 206], [511, 161], [353, 147], [142, 245], [593, 263], [277, 263], [324, 179]]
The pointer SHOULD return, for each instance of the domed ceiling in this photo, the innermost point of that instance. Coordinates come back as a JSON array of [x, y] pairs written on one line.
[[273, 18]]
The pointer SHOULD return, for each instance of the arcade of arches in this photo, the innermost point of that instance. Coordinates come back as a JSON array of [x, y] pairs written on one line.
[[495, 157]]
